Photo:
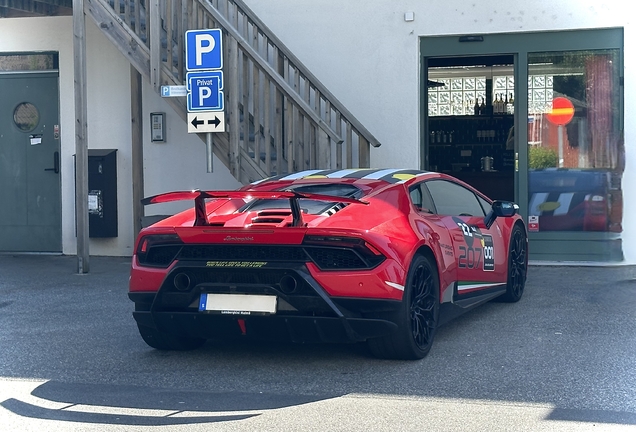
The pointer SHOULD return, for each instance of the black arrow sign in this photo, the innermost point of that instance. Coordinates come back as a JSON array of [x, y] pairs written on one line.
[[196, 122], [215, 122]]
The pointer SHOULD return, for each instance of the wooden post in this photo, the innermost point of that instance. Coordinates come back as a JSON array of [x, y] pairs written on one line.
[[81, 143], [364, 152], [349, 144], [137, 153], [233, 102], [155, 45]]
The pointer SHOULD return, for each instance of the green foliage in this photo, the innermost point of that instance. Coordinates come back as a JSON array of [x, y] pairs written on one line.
[[542, 157]]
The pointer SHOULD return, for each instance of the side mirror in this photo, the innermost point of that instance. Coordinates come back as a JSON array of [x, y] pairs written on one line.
[[500, 209]]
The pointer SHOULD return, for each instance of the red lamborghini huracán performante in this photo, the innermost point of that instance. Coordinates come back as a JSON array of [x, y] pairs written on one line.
[[382, 256]]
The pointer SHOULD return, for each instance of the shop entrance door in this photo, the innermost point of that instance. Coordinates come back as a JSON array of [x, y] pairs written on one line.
[[563, 157], [471, 105], [30, 208]]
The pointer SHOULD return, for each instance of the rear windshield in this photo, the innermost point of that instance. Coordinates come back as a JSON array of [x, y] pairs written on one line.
[[308, 206]]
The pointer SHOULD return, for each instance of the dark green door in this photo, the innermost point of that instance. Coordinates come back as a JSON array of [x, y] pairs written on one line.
[[30, 202]]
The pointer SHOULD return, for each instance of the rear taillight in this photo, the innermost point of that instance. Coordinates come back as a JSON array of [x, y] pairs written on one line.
[[332, 241], [158, 250], [596, 204]]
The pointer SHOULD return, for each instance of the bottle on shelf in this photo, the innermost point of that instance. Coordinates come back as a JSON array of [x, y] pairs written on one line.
[[511, 104], [482, 107], [476, 107]]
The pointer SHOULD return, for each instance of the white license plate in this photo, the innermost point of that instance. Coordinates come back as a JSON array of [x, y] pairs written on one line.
[[238, 304]]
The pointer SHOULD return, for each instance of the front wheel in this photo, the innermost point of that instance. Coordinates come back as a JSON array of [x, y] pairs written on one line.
[[517, 266], [417, 317], [167, 341]]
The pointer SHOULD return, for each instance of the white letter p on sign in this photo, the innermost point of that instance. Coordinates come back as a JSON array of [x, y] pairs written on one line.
[[201, 49], [204, 93]]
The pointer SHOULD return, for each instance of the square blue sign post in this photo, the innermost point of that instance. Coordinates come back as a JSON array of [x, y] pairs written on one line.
[[204, 50], [204, 91]]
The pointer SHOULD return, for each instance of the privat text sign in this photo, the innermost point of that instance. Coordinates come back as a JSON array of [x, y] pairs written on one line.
[[204, 91]]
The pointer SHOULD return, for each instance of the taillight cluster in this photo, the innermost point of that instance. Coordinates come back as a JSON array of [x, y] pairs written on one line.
[[596, 204], [158, 250]]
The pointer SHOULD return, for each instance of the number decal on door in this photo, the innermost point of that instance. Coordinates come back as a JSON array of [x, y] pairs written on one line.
[[470, 255]]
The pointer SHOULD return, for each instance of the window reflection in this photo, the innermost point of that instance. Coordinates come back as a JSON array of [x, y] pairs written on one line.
[[575, 165]]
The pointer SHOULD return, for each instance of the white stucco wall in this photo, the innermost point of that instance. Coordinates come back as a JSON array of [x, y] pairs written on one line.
[[179, 163], [368, 57]]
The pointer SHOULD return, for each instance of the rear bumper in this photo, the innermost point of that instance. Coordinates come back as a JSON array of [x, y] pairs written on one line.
[[305, 311], [273, 327]]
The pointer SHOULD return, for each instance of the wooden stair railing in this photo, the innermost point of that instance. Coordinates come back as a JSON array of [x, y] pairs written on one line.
[[280, 117]]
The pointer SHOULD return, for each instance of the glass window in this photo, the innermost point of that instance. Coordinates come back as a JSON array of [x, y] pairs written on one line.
[[453, 200], [484, 204], [26, 116], [28, 62], [421, 198], [575, 146], [308, 206], [455, 96]]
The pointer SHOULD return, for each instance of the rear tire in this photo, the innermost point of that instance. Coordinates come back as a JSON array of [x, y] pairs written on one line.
[[167, 341], [417, 317], [517, 266]]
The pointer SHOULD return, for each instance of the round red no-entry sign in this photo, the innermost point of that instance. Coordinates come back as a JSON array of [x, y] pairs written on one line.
[[562, 111]]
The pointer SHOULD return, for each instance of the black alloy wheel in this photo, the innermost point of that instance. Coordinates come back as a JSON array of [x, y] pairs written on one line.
[[517, 265], [423, 306], [417, 318]]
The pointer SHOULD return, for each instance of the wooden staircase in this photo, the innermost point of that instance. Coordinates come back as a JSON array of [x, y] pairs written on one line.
[[280, 118]]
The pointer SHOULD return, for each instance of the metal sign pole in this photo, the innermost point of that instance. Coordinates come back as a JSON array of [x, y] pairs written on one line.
[[561, 130], [209, 150]]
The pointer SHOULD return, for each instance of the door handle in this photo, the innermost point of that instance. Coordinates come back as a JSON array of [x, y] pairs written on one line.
[[56, 163]]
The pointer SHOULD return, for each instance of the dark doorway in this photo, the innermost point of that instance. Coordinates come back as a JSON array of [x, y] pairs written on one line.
[[470, 121]]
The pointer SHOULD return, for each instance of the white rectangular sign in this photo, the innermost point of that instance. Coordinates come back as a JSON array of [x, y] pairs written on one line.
[[174, 91], [206, 121]]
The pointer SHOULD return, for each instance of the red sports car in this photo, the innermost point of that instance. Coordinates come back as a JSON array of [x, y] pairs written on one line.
[[352, 255]]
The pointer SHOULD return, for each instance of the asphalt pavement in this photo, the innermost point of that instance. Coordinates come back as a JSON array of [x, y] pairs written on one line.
[[563, 358]]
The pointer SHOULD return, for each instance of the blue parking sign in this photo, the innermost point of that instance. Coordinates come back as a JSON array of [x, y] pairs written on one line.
[[204, 91], [204, 49]]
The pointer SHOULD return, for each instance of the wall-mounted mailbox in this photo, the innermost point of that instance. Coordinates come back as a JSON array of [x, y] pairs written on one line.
[[102, 193]]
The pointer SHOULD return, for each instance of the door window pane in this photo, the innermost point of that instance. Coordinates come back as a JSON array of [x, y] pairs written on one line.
[[26, 116], [575, 147], [453, 200]]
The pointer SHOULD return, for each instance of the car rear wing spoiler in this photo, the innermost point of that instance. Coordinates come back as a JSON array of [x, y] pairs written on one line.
[[200, 196]]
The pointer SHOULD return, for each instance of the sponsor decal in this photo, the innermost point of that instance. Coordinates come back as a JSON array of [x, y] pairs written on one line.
[[236, 264], [479, 251], [533, 223], [448, 249], [489, 252]]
